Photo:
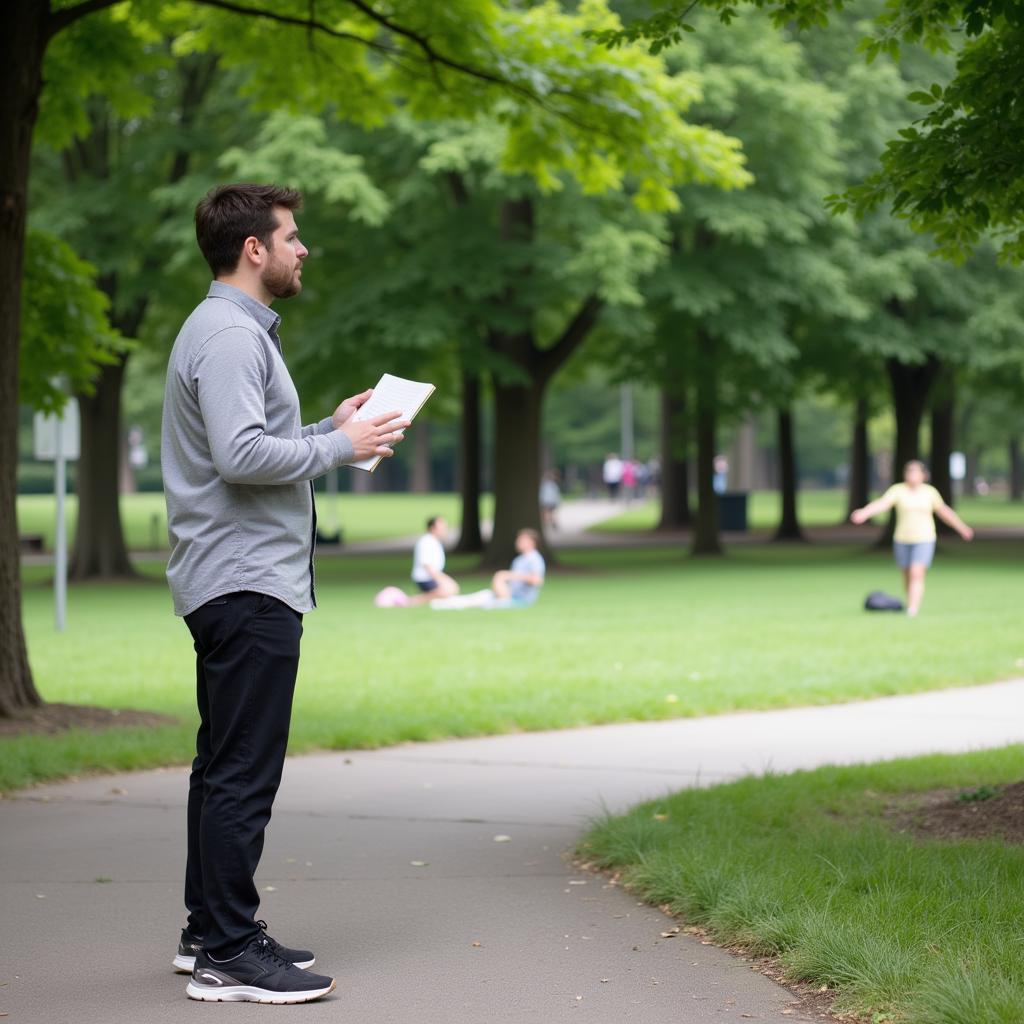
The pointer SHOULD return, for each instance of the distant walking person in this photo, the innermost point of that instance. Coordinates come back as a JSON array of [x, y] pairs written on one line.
[[428, 561], [611, 474], [916, 503], [628, 479], [238, 469]]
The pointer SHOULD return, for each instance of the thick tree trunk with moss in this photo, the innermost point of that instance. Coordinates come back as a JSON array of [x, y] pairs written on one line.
[[22, 44], [675, 468], [789, 522], [859, 488], [470, 539], [706, 538]]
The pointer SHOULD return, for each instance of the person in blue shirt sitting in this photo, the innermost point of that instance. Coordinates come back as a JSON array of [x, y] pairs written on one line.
[[515, 587]]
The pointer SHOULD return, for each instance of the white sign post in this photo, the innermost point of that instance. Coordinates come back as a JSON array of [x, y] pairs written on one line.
[[56, 440]]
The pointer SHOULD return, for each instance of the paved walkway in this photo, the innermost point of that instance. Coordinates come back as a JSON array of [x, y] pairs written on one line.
[[395, 865]]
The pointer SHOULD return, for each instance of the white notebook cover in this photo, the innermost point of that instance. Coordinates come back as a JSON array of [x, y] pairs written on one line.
[[408, 396]]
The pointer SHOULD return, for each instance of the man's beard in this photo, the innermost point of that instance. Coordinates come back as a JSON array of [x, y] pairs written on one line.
[[280, 281]]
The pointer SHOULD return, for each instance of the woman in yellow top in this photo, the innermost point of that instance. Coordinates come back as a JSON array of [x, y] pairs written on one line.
[[916, 503]]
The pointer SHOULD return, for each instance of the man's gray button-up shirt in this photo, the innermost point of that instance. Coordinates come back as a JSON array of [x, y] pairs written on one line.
[[236, 459]]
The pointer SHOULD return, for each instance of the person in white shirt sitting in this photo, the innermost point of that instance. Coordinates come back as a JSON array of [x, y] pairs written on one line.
[[428, 561]]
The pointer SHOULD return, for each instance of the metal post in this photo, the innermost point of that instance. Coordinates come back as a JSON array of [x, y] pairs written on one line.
[[60, 565]]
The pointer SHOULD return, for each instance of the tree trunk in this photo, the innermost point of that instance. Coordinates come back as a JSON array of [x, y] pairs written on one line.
[[911, 384], [99, 539], [675, 470], [859, 490], [789, 523], [1016, 470], [518, 401], [22, 44], [706, 539], [942, 423], [420, 480], [517, 413], [470, 539]]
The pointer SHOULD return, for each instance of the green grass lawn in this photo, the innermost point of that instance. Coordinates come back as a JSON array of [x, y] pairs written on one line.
[[362, 516], [803, 867], [818, 508], [617, 635]]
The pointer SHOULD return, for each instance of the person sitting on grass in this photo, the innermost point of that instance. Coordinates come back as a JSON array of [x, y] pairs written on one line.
[[428, 560], [515, 587], [915, 501]]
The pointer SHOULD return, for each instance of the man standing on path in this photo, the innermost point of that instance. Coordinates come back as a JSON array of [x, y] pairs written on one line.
[[238, 469]]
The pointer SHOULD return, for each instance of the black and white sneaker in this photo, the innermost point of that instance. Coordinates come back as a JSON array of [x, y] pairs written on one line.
[[257, 975], [298, 957], [189, 946]]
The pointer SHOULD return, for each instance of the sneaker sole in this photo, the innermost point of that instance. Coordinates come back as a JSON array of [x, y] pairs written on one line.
[[250, 994], [186, 964]]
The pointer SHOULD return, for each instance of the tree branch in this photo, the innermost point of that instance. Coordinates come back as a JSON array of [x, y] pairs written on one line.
[[431, 54], [551, 360], [428, 53], [310, 24], [59, 20]]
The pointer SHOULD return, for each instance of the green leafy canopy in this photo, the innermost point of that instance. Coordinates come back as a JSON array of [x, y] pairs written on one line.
[[957, 171]]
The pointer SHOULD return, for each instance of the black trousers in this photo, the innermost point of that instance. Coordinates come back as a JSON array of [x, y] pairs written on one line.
[[247, 656]]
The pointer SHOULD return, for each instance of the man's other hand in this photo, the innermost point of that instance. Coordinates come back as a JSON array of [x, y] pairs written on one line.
[[375, 436], [346, 410]]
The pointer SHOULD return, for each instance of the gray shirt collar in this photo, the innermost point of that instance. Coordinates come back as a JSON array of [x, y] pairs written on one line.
[[263, 315]]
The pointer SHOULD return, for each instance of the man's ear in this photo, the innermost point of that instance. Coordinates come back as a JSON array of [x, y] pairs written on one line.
[[252, 251]]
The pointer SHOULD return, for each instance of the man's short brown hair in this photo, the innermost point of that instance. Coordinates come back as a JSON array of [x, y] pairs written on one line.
[[228, 214], [526, 531]]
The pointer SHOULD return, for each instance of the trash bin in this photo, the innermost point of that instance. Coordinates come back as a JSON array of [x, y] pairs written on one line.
[[732, 511]]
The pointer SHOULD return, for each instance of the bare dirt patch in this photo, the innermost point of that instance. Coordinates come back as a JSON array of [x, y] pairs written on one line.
[[54, 718], [987, 812]]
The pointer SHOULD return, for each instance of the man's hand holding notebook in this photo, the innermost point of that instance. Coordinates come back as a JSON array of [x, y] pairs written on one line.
[[391, 394]]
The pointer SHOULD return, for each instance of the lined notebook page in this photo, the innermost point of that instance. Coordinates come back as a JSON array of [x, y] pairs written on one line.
[[392, 393]]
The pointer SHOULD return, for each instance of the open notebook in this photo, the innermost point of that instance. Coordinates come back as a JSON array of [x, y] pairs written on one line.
[[392, 393]]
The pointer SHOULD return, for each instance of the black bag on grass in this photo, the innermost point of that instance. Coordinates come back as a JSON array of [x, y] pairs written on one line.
[[879, 601]]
